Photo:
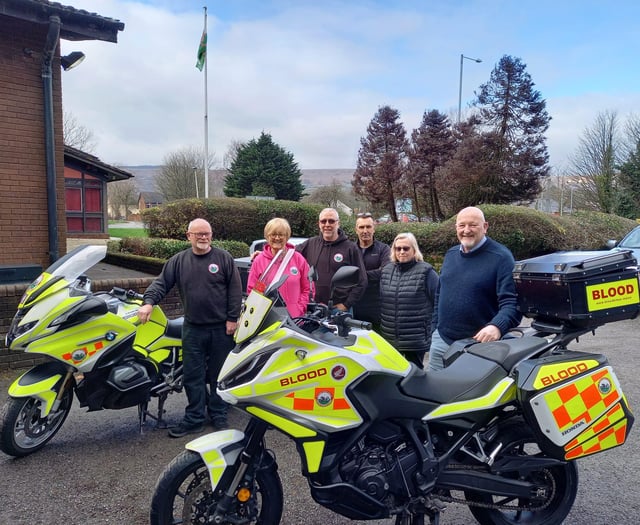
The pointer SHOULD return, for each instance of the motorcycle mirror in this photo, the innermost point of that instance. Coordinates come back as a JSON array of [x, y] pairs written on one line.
[[345, 277]]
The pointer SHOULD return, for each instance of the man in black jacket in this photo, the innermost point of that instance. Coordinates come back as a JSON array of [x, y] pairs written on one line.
[[326, 253], [211, 294], [375, 254]]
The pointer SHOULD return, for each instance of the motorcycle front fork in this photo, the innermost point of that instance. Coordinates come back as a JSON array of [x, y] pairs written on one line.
[[254, 433]]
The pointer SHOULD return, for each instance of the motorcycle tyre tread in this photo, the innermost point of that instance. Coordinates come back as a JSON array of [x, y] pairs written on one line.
[[188, 462], [9, 414], [520, 432]]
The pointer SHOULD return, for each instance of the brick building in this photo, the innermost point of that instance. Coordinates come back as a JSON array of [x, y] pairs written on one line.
[[33, 215]]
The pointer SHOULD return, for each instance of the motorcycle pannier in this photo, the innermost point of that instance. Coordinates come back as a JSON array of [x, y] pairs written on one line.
[[585, 288], [574, 403]]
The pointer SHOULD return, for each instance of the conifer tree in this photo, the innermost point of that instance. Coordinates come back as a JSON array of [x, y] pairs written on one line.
[[514, 116], [382, 161], [262, 168]]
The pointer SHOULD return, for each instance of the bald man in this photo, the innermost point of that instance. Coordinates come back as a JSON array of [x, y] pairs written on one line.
[[476, 295]]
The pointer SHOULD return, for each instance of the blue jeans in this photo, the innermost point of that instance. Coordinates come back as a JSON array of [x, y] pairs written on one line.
[[204, 350], [438, 348]]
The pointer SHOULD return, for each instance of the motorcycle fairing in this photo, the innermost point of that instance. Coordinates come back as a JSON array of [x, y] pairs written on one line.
[[218, 451], [312, 449], [151, 339], [41, 382], [64, 271], [502, 393]]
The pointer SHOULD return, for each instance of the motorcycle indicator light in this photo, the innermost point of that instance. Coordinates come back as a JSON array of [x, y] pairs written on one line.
[[243, 494]]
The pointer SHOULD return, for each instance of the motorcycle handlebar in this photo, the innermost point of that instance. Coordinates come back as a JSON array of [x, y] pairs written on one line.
[[355, 323], [123, 294]]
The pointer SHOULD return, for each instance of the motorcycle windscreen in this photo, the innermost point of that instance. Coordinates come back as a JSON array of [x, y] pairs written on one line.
[[78, 261], [255, 309]]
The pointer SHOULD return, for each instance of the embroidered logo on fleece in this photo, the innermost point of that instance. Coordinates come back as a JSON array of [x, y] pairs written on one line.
[[213, 268]]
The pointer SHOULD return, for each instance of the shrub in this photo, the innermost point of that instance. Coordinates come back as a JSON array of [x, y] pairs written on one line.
[[237, 222], [165, 248], [230, 218]]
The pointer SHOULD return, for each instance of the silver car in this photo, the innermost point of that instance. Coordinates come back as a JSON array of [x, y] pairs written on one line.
[[631, 241]]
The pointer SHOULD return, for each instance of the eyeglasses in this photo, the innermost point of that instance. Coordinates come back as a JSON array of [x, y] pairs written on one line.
[[277, 235], [364, 215], [402, 248], [328, 221], [201, 234]]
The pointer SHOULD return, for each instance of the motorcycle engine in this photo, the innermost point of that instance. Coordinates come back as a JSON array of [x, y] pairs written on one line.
[[381, 471]]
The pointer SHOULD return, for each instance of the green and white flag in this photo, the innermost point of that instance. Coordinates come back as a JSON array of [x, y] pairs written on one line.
[[202, 50]]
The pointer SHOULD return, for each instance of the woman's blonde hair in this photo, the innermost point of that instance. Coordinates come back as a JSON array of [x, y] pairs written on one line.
[[277, 224], [417, 254]]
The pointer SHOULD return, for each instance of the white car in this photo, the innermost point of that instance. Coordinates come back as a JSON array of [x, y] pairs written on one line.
[[260, 243], [243, 263]]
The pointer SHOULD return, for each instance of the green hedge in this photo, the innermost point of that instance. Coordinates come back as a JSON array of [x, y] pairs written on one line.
[[230, 218], [165, 248], [525, 231]]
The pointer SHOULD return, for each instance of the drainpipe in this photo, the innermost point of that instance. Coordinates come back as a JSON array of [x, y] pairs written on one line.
[[49, 136]]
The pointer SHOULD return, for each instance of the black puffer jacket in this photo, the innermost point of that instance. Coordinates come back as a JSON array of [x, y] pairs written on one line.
[[407, 291]]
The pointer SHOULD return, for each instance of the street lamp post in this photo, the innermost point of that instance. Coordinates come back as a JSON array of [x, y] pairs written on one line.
[[195, 177], [462, 57]]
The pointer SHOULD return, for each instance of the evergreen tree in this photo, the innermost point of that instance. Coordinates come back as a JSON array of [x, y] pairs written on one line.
[[628, 202], [515, 117], [432, 145], [262, 168], [382, 161]]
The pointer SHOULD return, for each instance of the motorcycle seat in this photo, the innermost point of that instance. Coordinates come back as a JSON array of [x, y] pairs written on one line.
[[174, 328], [473, 373], [467, 377]]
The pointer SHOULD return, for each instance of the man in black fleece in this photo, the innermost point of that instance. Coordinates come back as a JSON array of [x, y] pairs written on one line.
[[326, 253], [211, 293]]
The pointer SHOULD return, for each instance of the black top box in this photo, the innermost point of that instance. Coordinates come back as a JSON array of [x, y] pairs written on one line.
[[588, 288]]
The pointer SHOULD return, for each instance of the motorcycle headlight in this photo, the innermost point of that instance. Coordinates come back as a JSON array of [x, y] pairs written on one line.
[[18, 330]]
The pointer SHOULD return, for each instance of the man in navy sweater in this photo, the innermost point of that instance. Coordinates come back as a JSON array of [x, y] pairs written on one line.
[[476, 294]]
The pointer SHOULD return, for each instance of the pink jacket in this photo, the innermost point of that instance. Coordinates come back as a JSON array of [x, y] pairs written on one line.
[[295, 290]]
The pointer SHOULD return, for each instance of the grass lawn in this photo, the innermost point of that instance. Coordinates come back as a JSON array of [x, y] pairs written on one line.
[[127, 232]]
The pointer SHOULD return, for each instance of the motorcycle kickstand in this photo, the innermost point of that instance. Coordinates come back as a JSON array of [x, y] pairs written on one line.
[[143, 412]]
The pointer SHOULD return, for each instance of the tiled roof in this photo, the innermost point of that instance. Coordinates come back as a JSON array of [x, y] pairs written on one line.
[[77, 24]]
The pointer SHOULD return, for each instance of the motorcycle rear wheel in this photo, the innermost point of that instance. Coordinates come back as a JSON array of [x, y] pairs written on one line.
[[183, 495], [22, 428], [519, 440]]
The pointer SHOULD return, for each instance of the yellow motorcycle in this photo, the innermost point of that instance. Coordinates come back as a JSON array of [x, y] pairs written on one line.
[[499, 429], [95, 347]]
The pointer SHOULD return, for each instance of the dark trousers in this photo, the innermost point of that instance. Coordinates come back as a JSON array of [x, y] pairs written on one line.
[[204, 350]]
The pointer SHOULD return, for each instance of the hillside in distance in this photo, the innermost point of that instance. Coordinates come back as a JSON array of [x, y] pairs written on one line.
[[144, 177]]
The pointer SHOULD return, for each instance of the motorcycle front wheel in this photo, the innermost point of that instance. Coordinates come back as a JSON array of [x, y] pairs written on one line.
[[23, 430], [183, 495], [560, 482]]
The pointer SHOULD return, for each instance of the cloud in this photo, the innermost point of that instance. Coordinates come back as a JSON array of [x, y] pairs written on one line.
[[313, 74]]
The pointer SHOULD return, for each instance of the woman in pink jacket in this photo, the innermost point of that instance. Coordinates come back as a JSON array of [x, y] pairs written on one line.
[[295, 290]]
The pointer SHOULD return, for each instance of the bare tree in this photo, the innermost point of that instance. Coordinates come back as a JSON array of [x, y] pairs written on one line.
[[595, 162], [76, 135], [122, 196], [182, 174], [232, 153]]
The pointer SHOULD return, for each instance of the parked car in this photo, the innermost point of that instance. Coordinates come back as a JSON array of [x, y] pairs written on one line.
[[244, 263], [631, 241]]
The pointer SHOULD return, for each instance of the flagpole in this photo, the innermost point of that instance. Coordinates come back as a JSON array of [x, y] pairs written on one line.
[[206, 119]]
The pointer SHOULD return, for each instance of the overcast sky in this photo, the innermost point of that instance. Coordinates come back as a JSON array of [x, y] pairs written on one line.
[[313, 73]]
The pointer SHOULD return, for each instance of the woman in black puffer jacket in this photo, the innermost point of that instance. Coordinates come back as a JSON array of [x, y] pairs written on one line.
[[407, 290]]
